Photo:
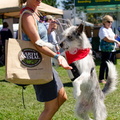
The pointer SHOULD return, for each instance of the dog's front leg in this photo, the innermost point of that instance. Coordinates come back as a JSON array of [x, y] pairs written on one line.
[[76, 89], [84, 77]]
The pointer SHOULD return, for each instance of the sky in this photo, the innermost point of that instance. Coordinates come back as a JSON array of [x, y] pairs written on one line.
[[60, 7]]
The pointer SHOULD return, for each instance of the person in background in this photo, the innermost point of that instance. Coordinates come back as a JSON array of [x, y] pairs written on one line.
[[107, 46], [53, 93], [0, 50], [50, 22], [5, 35], [2, 62], [0, 46]]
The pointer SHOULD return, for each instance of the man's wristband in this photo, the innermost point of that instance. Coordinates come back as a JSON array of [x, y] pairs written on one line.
[[56, 56]]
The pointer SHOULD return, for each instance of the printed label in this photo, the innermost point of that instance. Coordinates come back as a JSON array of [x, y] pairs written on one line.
[[30, 57]]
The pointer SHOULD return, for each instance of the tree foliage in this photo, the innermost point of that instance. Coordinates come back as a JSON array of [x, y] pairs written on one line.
[[91, 17], [94, 18], [68, 4], [51, 2]]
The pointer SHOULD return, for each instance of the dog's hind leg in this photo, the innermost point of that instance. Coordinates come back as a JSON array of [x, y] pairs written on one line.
[[81, 112], [85, 116], [82, 108], [84, 77], [99, 111]]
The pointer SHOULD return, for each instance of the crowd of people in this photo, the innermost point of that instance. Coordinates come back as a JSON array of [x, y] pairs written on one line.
[[5, 34]]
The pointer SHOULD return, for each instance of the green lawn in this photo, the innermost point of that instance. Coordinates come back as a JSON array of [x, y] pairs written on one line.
[[11, 107]]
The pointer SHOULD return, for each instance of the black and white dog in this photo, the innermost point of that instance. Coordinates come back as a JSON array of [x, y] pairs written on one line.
[[90, 97]]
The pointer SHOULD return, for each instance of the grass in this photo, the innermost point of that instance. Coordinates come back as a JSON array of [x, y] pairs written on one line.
[[11, 107]]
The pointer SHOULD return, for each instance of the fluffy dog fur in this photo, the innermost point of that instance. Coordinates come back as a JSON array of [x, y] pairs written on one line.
[[90, 97]]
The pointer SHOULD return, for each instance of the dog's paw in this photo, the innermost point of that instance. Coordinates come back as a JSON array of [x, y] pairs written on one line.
[[76, 89], [76, 94]]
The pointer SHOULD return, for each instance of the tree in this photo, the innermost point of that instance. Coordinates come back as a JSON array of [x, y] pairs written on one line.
[[68, 4], [51, 2], [94, 18]]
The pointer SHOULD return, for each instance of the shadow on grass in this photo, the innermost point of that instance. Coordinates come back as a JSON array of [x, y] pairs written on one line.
[[1, 65], [97, 61], [3, 81], [69, 84]]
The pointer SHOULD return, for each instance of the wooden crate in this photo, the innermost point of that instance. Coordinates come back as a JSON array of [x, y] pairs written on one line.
[[118, 56]]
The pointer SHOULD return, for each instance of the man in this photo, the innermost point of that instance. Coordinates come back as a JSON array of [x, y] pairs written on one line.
[[51, 31]]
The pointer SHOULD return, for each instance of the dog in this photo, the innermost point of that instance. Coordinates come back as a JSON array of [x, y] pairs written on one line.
[[86, 88]]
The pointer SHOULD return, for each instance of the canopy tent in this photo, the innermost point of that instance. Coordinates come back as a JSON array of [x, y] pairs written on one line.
[[10, 8]]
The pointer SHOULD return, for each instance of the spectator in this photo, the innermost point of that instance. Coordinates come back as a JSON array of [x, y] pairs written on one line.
[[0, 46], [49, 20], [5, 35], [107, 46]]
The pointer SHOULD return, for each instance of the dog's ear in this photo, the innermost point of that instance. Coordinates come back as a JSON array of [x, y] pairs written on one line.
[[80, 28]]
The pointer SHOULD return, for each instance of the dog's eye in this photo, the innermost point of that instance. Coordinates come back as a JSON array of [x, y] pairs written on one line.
[[69, 37]]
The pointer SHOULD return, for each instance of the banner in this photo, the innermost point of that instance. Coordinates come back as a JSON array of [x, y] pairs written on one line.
[[95, 2]]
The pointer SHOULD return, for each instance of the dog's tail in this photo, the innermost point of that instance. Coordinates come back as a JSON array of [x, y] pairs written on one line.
[[110, 86]]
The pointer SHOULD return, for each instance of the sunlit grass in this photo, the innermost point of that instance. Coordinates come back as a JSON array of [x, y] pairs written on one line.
[[11, 107]]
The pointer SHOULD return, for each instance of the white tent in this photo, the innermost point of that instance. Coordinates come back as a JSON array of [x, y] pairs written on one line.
[[78, 21], [10, 8]]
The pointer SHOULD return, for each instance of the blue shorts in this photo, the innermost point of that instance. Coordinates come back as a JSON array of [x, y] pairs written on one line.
[[48, 91]]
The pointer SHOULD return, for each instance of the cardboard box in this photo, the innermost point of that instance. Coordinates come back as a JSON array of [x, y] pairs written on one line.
[[96, 31]]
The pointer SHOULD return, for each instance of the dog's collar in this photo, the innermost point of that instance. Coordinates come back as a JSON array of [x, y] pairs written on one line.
[[76, 54]]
